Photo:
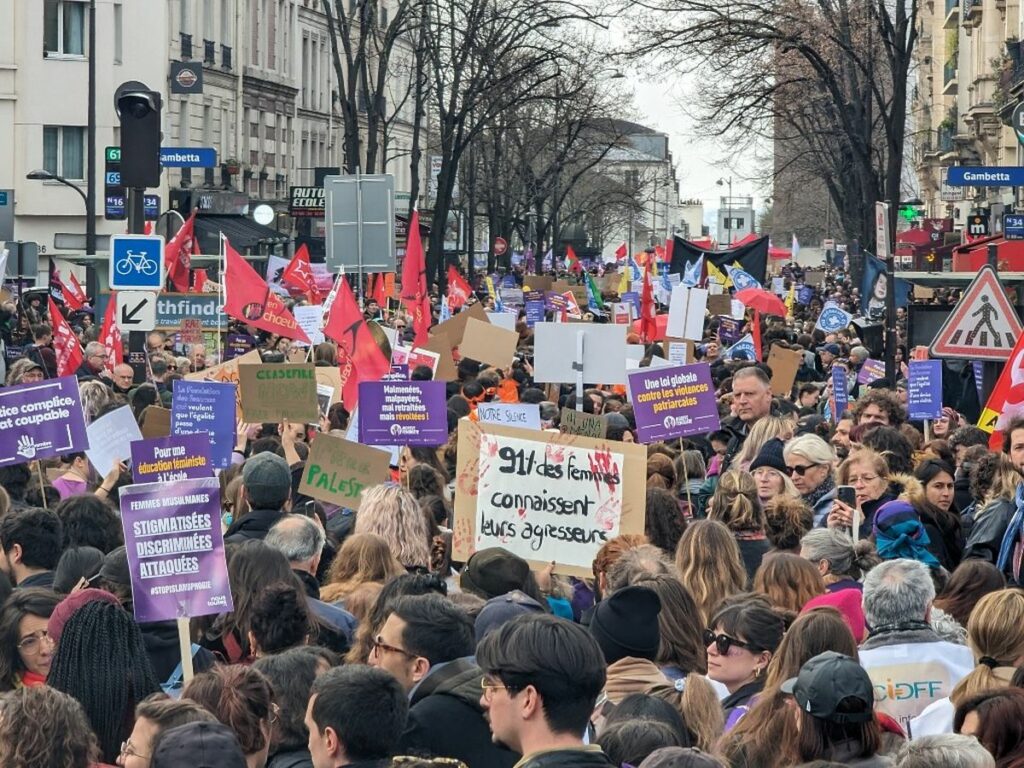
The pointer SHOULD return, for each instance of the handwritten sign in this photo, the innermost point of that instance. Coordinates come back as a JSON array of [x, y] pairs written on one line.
[[110, 437], [179, 457], [338, 470], [576, 422], [545, 496], [673, 402], [274, 392], [523, 415]]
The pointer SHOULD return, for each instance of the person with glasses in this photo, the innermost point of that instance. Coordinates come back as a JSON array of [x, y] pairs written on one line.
[[809, 464], [153, 716], [868, 472], [542, 678], [741, 640], [26, 649], [94, 362]]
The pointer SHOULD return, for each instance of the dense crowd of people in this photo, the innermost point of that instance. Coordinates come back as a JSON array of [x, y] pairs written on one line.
[[812, 587]]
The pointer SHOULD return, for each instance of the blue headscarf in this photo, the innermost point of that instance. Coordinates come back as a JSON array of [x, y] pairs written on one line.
[[899, 534]]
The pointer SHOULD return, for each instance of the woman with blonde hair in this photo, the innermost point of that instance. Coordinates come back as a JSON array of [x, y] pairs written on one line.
[[736, 504], [393, 513], [761, 737], [363, 558], [788, 581], [709, 565], [995, 638], [764, 429]]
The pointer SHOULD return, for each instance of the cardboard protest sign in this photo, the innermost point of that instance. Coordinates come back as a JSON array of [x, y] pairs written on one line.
[[489, 344], [537, 282], [156, 422], [330, 377], [673, 402], [179, 457], [720, 304], [227, 372], [814, 277], [575, 422], [604, 352], [870, 371], [506, 320], [206, 407], [784, 364], [175, 549], [403, 413], [191, 330], [522, 415], [275, 392], [686, 313], [545, 496], [456, 326], [924, 389], [338, 470], [41, 420], [441, 345], [110, 437]]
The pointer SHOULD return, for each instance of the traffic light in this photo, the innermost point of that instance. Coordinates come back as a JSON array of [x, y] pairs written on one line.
[[139, 111]]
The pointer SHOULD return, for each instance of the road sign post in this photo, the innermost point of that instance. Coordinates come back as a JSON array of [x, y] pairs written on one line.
[[137, 262], [136, 310]]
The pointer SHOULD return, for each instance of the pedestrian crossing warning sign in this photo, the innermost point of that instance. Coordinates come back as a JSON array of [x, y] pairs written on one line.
[[983, 325]]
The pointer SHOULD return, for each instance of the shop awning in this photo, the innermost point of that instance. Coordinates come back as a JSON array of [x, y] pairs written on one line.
[[243, 232]]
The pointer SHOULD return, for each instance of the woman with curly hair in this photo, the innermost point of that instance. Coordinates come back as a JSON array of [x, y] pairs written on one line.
[[994, 480], [44, 727], [393, 513]]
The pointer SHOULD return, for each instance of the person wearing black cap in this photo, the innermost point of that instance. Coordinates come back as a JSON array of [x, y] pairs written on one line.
[[835, 700], [197, 745], [267, 485], [771, 474]]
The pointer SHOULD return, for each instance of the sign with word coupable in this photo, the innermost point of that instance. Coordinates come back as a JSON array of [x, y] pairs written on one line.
[[175, 549], [673, 402], [41, 420]]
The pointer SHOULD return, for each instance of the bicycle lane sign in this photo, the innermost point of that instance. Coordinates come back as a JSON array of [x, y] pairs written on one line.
[[137, 261]]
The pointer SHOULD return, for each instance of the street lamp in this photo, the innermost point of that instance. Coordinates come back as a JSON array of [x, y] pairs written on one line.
[[41, 175], [728, 209]]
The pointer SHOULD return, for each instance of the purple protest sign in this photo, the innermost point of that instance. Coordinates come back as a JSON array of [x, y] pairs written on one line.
[[237, 344], [729, 331], [840, 392], [673, 402], [871, 370], [402, 413], [555, 301], [206, 407], [175, 549], [41, 420], [178, 457], [924, 389]]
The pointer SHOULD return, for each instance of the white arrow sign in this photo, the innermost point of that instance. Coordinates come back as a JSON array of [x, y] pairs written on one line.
[[136, 310]]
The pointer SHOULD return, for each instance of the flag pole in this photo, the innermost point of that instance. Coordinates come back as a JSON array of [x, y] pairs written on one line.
[[222, 295]]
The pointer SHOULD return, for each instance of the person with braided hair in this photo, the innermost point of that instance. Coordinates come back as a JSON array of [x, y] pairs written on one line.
[[101, 661]]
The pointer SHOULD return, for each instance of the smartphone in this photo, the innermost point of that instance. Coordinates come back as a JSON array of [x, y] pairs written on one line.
[[847, 495]]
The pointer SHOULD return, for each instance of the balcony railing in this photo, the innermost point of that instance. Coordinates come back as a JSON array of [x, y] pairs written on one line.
[[186, 46]]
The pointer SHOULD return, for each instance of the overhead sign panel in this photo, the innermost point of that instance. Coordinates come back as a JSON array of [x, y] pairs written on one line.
[[361, 222], [980, 176], [137, 261], [982, 326]]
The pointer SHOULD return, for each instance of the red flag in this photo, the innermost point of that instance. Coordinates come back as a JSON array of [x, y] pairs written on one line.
[[65, 343], [379, 294], [389, 285], [458, 289], [648, 325], [248, 298], [572, 261], [199, 280], [668, 250], [621, 252], [414, 282], [178, 254], [110, 334], [362, 358], [299, 274], [1007, 399], [71, 295], [755, 332], [75, 287]]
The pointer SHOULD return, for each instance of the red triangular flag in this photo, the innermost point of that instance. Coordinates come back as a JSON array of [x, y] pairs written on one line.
[[65, 343], [648, 325], [178, 254], [362, 359], [76, 288], [299, 274], [414, 282], [378, 290], [621, 252], [110, 334], [458, 289], [248, 298], [63, 291]]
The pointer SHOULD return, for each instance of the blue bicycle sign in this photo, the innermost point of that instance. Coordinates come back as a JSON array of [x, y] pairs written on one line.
[[136, 261]]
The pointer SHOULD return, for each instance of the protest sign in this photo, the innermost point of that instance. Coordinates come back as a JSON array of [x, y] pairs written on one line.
[[338, 470], [237, 344], [673, 402], [604, 352], [191, 330], [41, 420], [721, 304], [324, 395], [175, 549], [403, 413], [441, 345], [840, 391], [870, 371], [227, 372], [555, 302], [814, 277], [456, 326], [413, 358], [310, 318], [576, 422], [729, 330], [179, 457], [330, 377], [156, 422], [534, 312], [678, 352], [924, 389], [206, 407], [545, 496], [511, 297], [537, 282], [506, 320], [110, 437], [784, 364], [686, 313], [274, 392], [523, 415], [489, 344]]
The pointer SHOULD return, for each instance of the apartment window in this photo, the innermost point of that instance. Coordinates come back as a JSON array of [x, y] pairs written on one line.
[[64, 27], [64, 151], [184, 17], [118, 33], [227, 22]]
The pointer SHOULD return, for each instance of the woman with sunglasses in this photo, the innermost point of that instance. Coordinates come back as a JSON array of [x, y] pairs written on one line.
[[809, 464], [26, 650], [868, 473], [741, 640]]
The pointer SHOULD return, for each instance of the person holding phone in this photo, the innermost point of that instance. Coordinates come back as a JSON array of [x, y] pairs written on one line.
[[867, 472]]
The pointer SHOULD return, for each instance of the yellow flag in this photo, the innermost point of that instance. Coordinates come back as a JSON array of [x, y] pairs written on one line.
[[717, 275], [490, 288], [624, 282], [791, 299]]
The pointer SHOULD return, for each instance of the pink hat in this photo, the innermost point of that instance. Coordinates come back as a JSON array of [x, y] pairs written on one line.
[[848, 603], [67, 607]]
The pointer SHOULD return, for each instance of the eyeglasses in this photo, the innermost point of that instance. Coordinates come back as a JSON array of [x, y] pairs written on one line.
[[128, 750], [31, 644], [379, 646], [723, 642], [490, 688], [863, 479], [800, 469]]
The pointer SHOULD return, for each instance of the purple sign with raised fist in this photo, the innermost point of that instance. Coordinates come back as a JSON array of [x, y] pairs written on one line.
[[41, 420]]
